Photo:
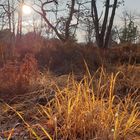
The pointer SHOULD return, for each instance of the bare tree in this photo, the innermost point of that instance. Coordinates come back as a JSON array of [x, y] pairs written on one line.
[[103, 31], [7, 33], [2, 17], [13, 15], [89, 31], [63, 18], [19, 26], [7, 14]]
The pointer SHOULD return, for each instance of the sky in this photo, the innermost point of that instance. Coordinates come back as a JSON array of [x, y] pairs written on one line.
[[133, 5], [130, 5]]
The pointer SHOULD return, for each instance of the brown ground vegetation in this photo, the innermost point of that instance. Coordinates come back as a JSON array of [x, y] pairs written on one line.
[[50, 90]]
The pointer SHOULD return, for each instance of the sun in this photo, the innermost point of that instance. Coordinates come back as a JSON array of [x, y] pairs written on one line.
[[26, 10]]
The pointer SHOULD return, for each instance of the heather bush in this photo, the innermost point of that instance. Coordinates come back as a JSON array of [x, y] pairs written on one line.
[[66, 58], [16, 77]]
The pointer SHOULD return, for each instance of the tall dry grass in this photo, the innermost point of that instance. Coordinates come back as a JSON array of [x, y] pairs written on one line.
[[83, 111]]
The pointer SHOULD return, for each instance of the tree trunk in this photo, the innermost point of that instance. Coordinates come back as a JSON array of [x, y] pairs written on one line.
[[19, 28], [103, 34], [110, 24], [68, 22], [104, 25], [9, 14], [95, 18]]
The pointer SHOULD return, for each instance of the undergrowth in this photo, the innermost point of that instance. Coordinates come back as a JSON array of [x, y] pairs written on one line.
[[103, 105], [16, 77], [82, 111]]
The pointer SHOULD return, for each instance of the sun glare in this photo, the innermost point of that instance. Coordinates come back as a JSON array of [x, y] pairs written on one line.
[[26, 10]]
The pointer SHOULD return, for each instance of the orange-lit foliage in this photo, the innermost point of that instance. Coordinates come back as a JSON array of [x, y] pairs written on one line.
[[28, 70], [89, 104], [16, 76], [29, 43], [64, 58], [60, 59]]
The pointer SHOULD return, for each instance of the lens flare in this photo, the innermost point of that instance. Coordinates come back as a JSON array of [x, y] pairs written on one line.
[[26, 10]]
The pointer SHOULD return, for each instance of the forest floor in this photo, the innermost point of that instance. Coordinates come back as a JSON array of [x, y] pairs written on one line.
[[102, 105]]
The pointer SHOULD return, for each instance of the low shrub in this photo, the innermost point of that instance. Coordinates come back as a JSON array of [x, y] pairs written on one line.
[[15, 77]]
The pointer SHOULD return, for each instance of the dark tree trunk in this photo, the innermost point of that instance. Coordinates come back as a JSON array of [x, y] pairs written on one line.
[[110, 24], [68, 22], [104, 25], [95, 18], [9, 15], [19, 28], [103, 32], [63, 37]]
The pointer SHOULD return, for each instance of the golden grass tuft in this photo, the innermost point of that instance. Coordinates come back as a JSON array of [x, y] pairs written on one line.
[[84, 111]]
